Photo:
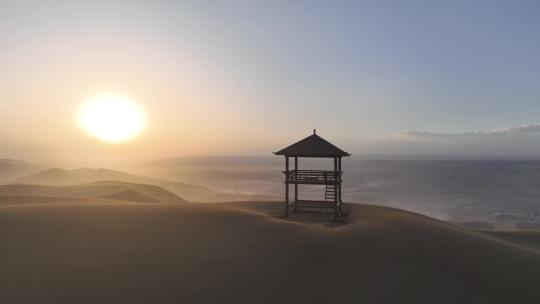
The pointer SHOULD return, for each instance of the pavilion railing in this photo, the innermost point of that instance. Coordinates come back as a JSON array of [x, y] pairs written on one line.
[[313, 176]]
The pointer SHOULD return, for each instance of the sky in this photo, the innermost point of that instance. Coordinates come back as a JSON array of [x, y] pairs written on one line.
[[249, 77]]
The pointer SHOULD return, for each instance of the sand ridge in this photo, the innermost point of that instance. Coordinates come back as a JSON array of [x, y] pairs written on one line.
[[120, 191]]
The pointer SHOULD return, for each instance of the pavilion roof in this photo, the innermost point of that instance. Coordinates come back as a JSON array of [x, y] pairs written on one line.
[[312, 146]]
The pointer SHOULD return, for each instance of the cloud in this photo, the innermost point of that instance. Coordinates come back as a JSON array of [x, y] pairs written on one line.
[[507, 142], [525, 129], [531, 129]]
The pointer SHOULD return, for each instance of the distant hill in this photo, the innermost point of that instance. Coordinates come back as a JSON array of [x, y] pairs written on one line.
[[62, 177], [13, 169], [113, 190]]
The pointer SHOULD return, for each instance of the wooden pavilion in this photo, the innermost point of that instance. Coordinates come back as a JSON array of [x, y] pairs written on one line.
[[314, 146]]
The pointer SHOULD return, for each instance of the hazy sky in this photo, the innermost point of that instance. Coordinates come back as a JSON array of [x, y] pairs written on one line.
[[247, 77]]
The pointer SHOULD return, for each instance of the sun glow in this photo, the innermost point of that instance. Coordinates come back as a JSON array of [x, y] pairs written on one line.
[[112, 118]]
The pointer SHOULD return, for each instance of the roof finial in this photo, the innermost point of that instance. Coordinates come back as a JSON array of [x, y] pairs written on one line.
[[314, 131]]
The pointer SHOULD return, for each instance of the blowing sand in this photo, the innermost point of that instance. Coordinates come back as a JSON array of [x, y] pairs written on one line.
[[245, 253]]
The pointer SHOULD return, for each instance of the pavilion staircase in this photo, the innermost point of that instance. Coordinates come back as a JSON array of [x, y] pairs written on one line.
[[330, 193]]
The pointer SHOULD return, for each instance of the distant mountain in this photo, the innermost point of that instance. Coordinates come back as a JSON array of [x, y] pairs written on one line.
[[61, 177], [109, 190], [13, 169]]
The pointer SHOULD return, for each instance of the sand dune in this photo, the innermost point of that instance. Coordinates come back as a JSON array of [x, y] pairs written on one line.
[[131, 195], [246, 253], [114, 190], [61, 177], [13, 169]]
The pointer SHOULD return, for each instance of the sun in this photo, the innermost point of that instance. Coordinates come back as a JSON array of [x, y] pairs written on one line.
[[112, 118]]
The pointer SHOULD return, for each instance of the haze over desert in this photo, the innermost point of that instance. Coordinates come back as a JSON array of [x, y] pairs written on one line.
[[269, 151]]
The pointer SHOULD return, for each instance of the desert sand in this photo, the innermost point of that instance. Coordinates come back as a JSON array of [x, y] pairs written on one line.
[[61, 177], [112, 252], [95, 191]]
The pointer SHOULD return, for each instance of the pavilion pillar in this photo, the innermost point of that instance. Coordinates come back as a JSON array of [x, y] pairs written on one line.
[[286, 186], [295, 184], [339, 167], [339, 190], [336, 185]]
